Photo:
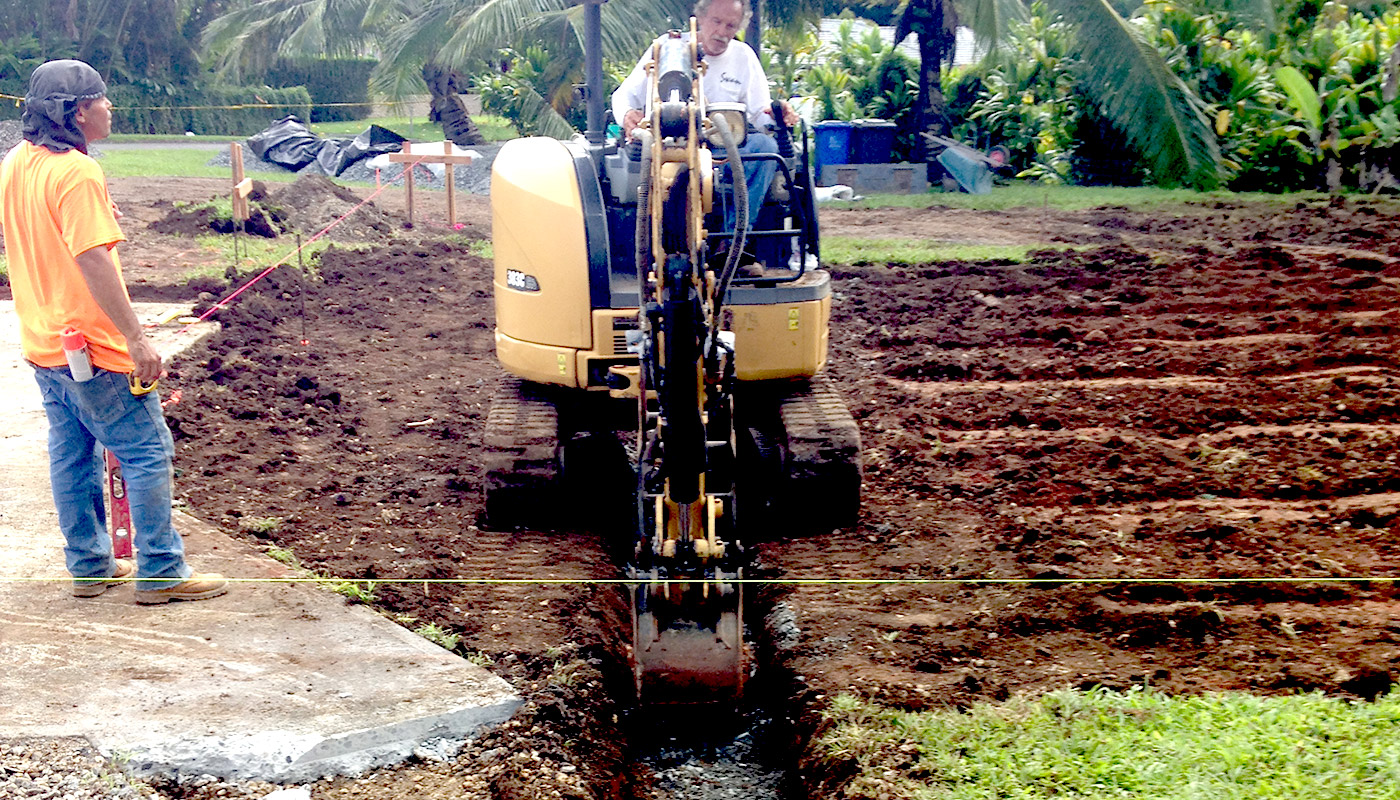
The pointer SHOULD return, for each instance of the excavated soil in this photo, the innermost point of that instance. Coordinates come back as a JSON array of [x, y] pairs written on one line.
[[1166, 455]]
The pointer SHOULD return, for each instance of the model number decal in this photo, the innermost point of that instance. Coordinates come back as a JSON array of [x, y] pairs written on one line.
[[516, 279]]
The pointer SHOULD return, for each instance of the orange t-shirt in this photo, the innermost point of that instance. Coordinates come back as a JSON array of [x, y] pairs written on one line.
[[53, 207]]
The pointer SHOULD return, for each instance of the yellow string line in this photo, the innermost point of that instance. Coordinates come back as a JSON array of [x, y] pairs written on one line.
[[240, 106], [772, 581]]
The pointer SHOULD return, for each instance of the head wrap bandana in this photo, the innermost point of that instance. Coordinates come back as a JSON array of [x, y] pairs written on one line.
[[55, 89]]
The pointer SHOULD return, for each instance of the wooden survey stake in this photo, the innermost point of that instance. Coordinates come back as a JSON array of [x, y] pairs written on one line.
[[242, 186], [408, 158]]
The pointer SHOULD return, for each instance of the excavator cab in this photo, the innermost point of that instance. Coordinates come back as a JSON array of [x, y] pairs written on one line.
[[622, 310]]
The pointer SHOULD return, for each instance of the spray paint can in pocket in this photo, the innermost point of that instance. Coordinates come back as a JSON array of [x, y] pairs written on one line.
[[76, 351]]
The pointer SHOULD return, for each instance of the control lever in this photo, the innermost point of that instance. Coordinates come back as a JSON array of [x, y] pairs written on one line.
[[782, 132]]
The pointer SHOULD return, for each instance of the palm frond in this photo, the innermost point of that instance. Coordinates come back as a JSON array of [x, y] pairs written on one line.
[[1136, 90], [407, 47], [381, 11], [630, 25], [308, 38], [536, 111], [478, 30], [990, 20], [295, 28]]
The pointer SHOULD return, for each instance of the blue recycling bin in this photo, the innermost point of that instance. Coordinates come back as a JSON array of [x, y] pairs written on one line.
[[833, 143], [872, 141]]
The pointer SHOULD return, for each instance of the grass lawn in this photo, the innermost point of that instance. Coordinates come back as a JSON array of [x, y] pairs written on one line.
[[1142, 744], [174, 161], [1021, 194], [856, 251]]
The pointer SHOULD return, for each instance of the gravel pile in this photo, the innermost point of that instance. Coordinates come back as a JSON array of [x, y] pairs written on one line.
[[63, 769], [11, 133], [474, 178], [731, 773]]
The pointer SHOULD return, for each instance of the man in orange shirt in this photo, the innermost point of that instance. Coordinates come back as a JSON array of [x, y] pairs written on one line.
[[60, 229]]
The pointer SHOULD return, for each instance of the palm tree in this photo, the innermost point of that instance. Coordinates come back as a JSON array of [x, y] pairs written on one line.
[[439, 35], [127, 41]]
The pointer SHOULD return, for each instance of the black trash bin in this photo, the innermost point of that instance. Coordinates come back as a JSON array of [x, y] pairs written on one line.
[[872, 141]]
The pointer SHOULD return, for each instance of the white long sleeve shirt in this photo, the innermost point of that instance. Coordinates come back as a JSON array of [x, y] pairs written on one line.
[[734, 76]]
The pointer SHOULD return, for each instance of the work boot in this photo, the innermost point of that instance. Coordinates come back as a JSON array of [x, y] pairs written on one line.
[[92, 587], [199, 586]]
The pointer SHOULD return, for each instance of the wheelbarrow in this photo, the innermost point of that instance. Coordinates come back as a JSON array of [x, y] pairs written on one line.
[[969, 169]]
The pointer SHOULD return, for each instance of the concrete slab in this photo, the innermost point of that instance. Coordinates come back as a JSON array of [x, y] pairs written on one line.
[[278, 680]]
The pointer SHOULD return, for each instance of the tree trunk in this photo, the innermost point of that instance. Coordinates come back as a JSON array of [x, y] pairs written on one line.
[[753, 34], [931, 108], [447, 108]]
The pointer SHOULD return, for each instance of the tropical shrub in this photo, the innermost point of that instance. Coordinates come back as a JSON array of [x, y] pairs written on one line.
[[861, 77]]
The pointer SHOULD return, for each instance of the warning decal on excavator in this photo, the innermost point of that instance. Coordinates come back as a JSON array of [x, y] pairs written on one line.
[[563, 361], [794, 318]]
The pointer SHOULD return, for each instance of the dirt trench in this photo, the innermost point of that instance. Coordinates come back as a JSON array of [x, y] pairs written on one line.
[[1081, 466]]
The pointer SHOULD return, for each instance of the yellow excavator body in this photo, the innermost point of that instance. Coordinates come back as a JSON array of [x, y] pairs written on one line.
[[622, 304]]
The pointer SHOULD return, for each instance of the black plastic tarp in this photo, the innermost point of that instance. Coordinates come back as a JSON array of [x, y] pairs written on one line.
[[290, 143]]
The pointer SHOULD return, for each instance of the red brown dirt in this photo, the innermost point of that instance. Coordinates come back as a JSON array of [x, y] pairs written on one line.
[[1196, 394]]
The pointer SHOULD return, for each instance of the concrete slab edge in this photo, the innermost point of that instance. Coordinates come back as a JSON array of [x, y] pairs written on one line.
[[283, 757]]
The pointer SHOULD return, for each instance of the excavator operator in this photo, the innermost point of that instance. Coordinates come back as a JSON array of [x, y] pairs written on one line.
[[733, 75]]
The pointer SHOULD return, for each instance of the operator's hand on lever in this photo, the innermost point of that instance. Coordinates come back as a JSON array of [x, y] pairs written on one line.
[[630, 121], [790, 117]]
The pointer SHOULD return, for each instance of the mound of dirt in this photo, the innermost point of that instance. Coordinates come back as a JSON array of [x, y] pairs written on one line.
[[313, 202], [264, 219]]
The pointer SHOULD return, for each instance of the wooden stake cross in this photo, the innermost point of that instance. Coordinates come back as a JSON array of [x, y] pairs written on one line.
[[408, 158], [242, 186]]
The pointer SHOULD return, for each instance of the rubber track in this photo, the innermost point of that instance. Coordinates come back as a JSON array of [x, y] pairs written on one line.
[[823, 459], [521, 485]]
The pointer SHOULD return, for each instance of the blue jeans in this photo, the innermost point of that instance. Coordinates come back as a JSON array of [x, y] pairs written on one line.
[[758, 174], [104, 411]]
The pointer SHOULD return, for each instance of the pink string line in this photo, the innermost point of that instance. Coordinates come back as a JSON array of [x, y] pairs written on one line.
[[240, 290]]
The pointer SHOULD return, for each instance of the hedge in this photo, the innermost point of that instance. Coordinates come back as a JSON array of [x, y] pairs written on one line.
[[218, 110], [331, 82]]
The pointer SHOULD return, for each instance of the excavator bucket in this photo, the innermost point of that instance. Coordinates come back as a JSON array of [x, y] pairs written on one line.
[[688, 643]]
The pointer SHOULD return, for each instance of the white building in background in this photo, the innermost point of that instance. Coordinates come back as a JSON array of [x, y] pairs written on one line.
[[966, 51]]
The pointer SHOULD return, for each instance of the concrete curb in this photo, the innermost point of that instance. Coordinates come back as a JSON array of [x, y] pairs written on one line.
[[280, 680]]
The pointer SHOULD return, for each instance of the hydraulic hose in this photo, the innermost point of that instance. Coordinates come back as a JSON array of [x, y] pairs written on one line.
[[741, 226], [642, 238]]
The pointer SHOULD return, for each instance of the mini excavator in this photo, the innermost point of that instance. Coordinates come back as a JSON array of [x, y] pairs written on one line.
[[623, 309]]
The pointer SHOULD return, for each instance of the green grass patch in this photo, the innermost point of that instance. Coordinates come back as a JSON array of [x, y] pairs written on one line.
[[254, 253], [171, 138], [418, 129], [473, 245], [852, 250], [1142, 744], [182, 162], [438, 635], [1075, 198]]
